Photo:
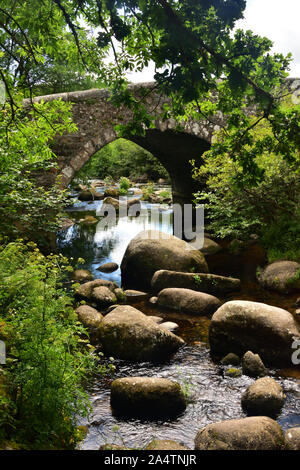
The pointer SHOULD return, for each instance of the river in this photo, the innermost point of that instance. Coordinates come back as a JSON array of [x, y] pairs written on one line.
[[212, 395]]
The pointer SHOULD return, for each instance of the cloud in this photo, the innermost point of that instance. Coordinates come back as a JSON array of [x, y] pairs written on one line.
[[279, 21]]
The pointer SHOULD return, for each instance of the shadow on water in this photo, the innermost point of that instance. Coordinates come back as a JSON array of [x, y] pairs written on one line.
[[212, 396]]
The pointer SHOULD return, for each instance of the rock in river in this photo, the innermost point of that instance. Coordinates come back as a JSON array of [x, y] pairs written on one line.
[[239, 326], [147, 397], [253, 366], [108, 267], [188, 301], [208, 283], [126, 333], [264, 397], [151, 251], [85, 291], [254, 433], [292, 439], [282, 276]]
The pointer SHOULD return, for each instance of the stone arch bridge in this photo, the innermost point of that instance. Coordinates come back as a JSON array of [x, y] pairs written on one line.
[[95, 117]]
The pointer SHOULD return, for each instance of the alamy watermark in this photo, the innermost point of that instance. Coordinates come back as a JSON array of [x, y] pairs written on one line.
[[2, 92], [188, 223], [2, 352], [296, 354]]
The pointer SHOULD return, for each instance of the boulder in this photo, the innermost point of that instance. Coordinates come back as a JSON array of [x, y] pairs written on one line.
[[133, 296], [169, 325], [89, 317], [252, 365], [88, 220], [108, 267], [210, 247], [112, 192], [208, 283], [155, 319], [103, 296], [82, 275], [151, 251], [148, 397], [231, 359], [90, 195], [110, 201], [126, 333], [239, 326], [188, 301], [85, 290], [233, 372], [282, 276], [254, 433], [292, 439], [165, 444], [264, 397], [120, 294]]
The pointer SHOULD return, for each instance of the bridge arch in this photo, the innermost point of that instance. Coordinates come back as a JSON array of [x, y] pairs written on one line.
[[96, 117]]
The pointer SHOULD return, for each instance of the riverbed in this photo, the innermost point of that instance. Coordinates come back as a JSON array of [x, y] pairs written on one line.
[[212, 395]]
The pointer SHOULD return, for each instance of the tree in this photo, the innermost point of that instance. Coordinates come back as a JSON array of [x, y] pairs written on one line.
[[200, 62]]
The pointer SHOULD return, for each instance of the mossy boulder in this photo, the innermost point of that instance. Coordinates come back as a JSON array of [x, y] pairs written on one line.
[[89, 317], [264, 397], [90, 195], [208, 283], [82, 275], [252, 365], [85, 291], [231, 359], [151, 251], [148, 397], [103, 297], [188, 301], [126, 333], [253, 433], [239, 326], [281, 276]]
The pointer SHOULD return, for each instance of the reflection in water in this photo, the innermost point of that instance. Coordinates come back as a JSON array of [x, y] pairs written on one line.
[[214, 397], [98, 246]]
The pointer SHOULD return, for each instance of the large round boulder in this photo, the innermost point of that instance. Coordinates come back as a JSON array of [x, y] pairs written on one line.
[[264, 397], [282, 276], [126, 333], [208, 283], [188, 301], [148, 397], [254, 433], [151, 251], [239, 326]]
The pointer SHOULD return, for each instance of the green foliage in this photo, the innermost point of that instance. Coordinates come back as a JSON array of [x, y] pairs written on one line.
[[27, 209], [122, 158], [148, 191], [238, 206], [48, 351], [124, 185]]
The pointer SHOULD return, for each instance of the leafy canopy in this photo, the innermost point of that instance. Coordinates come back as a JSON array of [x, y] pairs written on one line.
[[201, 63]]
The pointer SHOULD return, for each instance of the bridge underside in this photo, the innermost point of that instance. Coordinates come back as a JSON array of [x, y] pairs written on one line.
[[175, 150]]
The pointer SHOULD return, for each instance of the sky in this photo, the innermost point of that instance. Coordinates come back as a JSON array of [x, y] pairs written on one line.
[[278, 20]]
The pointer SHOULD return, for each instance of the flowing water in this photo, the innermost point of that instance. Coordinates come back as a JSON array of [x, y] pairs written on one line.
[[212, 395]]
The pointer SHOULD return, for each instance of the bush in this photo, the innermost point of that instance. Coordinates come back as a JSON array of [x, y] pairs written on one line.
[[237, 204], [124, 185], [48, 352]]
